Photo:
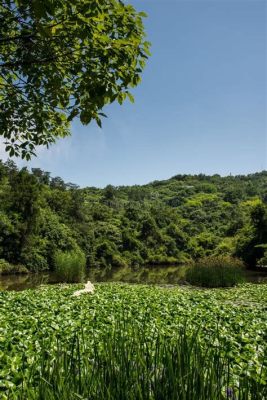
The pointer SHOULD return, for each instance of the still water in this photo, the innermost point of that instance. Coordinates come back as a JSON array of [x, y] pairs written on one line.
[[163, 275]]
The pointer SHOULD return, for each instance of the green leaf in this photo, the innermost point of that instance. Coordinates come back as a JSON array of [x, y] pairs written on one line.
[[130, 96]]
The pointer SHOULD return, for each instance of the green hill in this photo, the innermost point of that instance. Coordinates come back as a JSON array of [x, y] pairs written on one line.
[[164, 222]]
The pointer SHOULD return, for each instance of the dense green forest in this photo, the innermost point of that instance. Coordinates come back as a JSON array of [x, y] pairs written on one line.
[[164, 222]]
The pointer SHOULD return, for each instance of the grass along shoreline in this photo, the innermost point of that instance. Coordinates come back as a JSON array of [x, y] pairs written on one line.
[[10, 269]]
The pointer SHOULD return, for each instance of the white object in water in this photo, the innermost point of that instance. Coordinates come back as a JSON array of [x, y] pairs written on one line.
[[89, 288]]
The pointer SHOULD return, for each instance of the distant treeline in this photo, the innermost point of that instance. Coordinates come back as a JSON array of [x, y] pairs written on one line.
[[165, 222]]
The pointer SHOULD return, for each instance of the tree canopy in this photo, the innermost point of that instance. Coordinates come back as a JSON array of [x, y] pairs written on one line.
[[61, 59], [165, 222]]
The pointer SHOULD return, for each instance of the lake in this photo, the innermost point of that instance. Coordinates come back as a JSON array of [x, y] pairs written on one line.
[[162, 275]]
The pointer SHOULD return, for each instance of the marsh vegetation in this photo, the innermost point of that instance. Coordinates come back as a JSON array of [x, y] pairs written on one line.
[[134, 342]]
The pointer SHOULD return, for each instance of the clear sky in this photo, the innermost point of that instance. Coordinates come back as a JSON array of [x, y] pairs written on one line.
[[201, 106]]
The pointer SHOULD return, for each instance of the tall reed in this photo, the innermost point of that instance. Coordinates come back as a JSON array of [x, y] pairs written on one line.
[[220, 271], [70, 266], [126, 365]]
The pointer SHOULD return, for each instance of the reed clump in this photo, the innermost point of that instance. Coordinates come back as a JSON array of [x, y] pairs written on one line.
[[70, 266], [219, 271]]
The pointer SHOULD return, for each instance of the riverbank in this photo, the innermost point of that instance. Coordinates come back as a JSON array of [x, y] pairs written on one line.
[[11, 269], [155, 275]]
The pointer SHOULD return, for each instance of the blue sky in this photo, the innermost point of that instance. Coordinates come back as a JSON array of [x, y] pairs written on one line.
[[201, 106]]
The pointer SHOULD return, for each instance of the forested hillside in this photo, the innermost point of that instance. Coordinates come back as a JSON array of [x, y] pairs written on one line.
[[164, 222]]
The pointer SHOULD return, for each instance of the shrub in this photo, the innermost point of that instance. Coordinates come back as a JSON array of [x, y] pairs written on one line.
[[161, 259], [263, 261], [118, 261], [35, 255], [6, 268], [34, 261], [133, 258], [70, 266], [220, 271]]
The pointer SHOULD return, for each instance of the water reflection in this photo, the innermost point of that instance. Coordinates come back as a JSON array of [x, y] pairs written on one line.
[[151, 274], [167, 275], [21, 282]]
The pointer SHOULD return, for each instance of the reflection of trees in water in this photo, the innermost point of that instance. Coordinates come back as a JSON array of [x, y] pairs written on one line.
[[21, 282], [150, 274], [12, 282]]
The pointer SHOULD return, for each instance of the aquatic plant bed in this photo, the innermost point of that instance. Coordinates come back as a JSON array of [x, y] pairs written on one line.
[[134, 342]]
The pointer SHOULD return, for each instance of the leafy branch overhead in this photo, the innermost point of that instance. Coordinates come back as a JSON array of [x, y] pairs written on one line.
[[61, 59]]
